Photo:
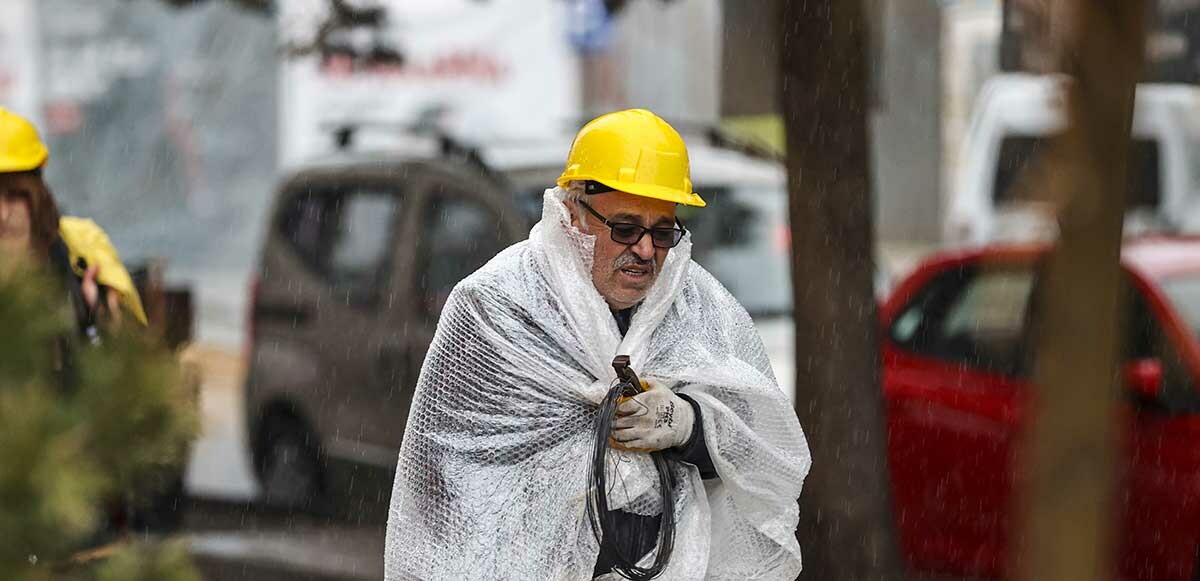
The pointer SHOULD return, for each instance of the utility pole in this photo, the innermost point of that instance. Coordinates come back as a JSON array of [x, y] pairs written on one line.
[[846, 526], [1068, 495]]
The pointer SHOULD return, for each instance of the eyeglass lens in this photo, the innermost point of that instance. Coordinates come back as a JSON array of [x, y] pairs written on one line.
[[631, 233]]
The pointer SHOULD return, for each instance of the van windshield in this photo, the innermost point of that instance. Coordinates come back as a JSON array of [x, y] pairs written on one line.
[[1016, 171], [742, 237]]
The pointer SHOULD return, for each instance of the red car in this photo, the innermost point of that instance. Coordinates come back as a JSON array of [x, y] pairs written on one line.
[[957, 364]]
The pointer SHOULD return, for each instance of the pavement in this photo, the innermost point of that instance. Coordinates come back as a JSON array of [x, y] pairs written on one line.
[[246, 542], [232, 537], [220, 464]]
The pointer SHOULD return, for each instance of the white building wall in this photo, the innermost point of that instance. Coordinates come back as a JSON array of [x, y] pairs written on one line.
[[971, 32], [669, 56], [19, 41]]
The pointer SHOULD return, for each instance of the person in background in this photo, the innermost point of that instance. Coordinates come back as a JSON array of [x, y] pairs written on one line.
[[75, 251]]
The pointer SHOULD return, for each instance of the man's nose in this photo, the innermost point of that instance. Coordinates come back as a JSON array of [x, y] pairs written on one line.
[[644, 248]]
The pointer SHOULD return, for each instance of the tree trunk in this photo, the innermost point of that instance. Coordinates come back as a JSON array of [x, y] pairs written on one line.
[[1069, 495], [846, 526]]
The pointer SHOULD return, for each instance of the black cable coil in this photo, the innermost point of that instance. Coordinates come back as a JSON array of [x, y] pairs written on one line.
[[603, 521]]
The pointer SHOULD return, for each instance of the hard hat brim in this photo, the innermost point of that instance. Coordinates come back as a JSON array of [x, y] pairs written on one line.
[[14, 165], [645, 190]]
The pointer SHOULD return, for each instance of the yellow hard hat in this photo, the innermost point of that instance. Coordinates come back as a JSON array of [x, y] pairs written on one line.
[[632, 151], [20, 147]]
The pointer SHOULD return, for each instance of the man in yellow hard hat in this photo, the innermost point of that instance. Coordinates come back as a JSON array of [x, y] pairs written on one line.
[[32, 233], [496, 471]]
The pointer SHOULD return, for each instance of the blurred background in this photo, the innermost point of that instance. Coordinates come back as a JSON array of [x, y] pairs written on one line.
[[294, 165]]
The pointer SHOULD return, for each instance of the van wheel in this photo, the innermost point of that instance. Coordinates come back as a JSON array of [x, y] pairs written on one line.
[[289, 464]]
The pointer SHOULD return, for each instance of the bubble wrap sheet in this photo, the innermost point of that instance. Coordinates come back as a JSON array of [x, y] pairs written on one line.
[[492, 477]]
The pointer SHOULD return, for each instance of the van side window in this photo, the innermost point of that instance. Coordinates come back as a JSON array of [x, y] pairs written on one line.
[[459, 235], [343, 234], [361, 241], [303, 221], [741, 238], [972, 316], [1019, 155]]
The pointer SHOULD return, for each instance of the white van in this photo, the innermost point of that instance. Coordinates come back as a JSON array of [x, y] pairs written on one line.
[[1016, 114]]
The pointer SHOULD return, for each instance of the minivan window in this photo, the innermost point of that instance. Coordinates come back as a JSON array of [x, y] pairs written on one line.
[[460, 234], [1018, 152], [342, 234], [361, 242]]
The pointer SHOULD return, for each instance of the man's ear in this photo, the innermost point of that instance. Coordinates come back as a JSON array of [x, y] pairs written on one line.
[[573, 212]]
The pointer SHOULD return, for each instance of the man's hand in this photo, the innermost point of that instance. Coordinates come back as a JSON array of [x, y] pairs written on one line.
[[653, 420]]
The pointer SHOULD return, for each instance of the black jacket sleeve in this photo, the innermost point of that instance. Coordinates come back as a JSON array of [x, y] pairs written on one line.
[[695, 450]]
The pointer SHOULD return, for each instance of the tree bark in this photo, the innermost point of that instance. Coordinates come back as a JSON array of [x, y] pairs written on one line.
[[1069, 489], [846, 527]]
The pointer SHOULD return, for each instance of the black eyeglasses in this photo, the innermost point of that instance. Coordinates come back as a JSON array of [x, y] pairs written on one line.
[[630, 234]]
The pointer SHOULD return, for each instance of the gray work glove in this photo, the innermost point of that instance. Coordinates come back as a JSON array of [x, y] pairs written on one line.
[[653, 420]]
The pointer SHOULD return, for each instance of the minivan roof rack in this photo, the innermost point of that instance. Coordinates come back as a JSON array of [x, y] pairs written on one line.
[[447, 145]]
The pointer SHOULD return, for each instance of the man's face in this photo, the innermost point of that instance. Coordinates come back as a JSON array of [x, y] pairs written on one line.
[[622, 273], [15, 228]]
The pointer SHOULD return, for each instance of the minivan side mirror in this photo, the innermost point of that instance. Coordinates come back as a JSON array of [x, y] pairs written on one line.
[[1144, 377]]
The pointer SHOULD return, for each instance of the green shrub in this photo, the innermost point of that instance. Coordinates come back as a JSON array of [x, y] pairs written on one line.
[[80, 426]]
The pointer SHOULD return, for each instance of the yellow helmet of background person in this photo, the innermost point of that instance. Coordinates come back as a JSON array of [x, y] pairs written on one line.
[[20, 147], [632, 151]]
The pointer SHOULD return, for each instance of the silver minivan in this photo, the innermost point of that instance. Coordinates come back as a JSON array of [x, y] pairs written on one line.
[[360, 255], [358, 258]]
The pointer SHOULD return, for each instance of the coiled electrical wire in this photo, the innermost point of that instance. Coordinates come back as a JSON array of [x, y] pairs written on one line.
[[603, 521]]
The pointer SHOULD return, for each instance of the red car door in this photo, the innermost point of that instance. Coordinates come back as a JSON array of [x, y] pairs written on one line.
[[954, 371], [1160, 531]]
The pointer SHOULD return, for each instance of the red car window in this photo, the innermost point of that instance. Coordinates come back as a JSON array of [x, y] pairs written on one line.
[[1147, 339], [973, 315]]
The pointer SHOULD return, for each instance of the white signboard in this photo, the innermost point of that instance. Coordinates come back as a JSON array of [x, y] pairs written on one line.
[[479, 69], [19, 83]]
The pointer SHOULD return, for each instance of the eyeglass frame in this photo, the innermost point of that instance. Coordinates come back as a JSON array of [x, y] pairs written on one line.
[[612, 233]]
